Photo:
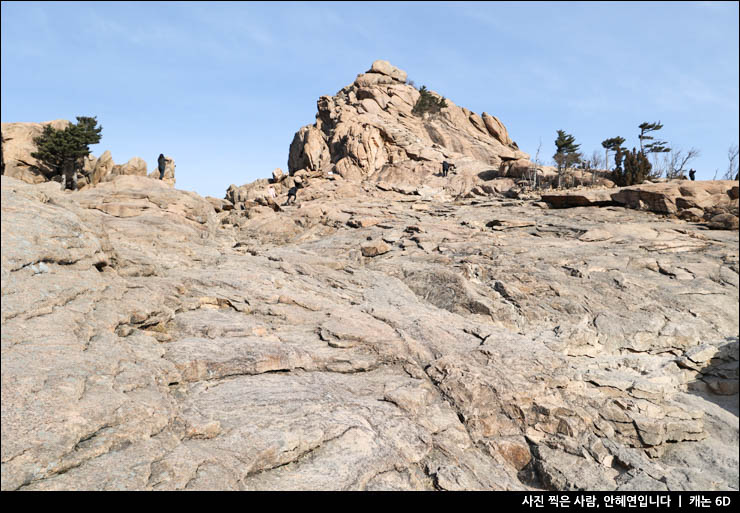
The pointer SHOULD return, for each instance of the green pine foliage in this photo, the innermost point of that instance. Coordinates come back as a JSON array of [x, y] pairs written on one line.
[[611, 144], [566, 154], [55, 148], [632, 168], [653, 147], [428, 102]]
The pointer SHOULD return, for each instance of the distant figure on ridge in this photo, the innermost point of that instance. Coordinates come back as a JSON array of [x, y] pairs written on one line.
[[446, 166], [161, 161], [692, 174]]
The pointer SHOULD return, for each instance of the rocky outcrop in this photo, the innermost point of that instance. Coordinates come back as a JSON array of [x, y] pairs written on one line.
[[367, 132], [579, 198], [364, 339], [714, 202], [675, 195], [18, 145]]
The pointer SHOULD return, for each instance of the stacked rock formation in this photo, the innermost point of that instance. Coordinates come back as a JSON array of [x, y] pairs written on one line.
[[367, 131], [18, 145]]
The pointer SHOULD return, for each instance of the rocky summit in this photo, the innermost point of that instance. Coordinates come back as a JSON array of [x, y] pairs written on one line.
[[393, 329], [368, 131]]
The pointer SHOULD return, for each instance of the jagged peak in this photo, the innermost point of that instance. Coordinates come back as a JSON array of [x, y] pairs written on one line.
[[371, 129]]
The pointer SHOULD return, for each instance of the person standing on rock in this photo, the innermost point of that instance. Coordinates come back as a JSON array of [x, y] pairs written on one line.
[[446, 166], [692, 174], [161, 163]]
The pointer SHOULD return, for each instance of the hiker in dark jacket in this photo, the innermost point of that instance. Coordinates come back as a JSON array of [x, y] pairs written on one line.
[[161, 163], [294, 191], [446, 166]]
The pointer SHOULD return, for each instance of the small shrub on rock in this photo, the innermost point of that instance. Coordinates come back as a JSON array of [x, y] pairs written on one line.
[[428, 102]]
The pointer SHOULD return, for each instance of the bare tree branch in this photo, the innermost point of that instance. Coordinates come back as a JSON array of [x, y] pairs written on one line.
[[674, 163], [731, 172]]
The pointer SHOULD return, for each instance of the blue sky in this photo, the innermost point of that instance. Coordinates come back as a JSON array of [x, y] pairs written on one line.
[[223, 87]]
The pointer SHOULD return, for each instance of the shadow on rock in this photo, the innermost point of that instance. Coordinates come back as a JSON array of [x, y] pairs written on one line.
[[489, 174]]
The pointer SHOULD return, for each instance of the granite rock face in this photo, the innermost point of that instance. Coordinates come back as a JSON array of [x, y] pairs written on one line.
[[375, 336], [367, 131]]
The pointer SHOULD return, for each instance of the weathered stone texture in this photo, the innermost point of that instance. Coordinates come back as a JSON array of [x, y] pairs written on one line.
[[152, 342]]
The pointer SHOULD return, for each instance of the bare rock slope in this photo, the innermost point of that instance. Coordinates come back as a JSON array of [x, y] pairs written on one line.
[[364, 339], [393, 329]]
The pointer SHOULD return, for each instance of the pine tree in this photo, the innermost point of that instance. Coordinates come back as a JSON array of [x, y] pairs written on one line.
[[650, 127], [59, 148], [636, 167], [613, 144], [566, 153]]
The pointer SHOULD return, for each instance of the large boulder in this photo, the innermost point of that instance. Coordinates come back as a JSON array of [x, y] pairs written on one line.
[[579, 198], [386, 68], [675, 195], [308, 150], [18, 145], [103, 167], [137, 167], [496, 128]]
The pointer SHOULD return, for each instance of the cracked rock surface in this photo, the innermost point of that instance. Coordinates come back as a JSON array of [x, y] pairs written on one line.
[[150, 342]]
